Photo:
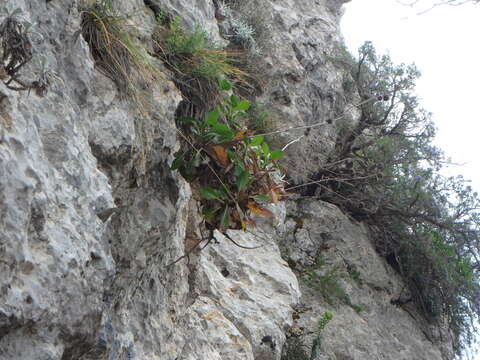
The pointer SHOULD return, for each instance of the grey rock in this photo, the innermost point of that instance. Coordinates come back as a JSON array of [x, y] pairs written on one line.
[[94, 224], [371, 326]]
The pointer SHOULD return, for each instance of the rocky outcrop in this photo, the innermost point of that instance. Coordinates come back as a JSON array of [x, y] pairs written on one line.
[[94, 224], [372, 315]]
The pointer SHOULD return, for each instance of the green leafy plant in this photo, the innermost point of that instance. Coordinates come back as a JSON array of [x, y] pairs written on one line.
[[295, 349], [231, 165], [317, 342], [387, 174]]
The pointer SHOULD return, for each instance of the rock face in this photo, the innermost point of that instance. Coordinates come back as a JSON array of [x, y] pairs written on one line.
[[370, 320], [93, 223]]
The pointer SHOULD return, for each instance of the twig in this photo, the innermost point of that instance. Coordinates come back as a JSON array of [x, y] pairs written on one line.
[[373, 98]]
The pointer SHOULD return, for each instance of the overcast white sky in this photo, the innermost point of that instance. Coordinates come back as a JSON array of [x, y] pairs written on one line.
[[444, 44]]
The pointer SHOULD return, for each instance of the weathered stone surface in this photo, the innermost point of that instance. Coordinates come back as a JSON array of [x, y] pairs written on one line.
[[305, 86], [254, 288], [370, 326], [93, 221]]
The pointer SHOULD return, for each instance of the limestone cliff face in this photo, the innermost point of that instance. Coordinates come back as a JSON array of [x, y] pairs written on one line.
[[92, 219]]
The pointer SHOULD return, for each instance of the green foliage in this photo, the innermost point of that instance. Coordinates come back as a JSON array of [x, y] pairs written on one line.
[[327, 283], [250, 25], [197, 64], [232, 166], [387, 173], [323, 321], [317, 342], [259, 118]]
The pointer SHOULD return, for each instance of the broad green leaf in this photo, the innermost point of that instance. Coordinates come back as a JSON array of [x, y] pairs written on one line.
[[265, 148], [257, 140], [234, 100], [243, 180], [276, 154], [220, 128], [225, 85], [224, 131], [232, 155], [224, 191], [262, 199], [242, 105], [209, 193], [211, 118], [225, 218], [177, 163]]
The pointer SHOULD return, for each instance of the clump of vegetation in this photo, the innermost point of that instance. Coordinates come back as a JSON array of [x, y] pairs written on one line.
[[113, 50], [386, 172], [249, 25], [259, 118], [197, 64], [321, 325], [17, 51], [327, 283], [295, 349], [232, 167]]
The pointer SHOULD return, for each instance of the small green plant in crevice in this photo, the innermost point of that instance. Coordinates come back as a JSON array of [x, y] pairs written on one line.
[[232, 168], [327, 283], [249, 25], [321, 325], [197, 65], [259, 118], [354, 274]]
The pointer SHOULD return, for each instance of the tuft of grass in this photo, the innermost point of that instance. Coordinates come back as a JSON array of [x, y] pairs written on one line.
[[113, 50], [118, 57], [197, 65]]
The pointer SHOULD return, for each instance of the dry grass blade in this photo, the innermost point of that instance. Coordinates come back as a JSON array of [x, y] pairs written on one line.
[[111, 55]]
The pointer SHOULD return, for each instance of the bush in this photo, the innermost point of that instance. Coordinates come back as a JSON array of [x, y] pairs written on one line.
[[197, 65], [231, 167], [385, 171]]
